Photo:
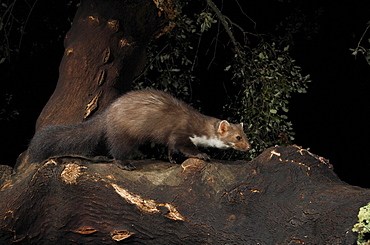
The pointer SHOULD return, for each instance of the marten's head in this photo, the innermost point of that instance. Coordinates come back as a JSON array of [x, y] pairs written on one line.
[[233, 135]]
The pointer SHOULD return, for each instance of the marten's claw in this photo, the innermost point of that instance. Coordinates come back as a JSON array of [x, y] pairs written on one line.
[[171, 159], [125, 165], [203, 156]]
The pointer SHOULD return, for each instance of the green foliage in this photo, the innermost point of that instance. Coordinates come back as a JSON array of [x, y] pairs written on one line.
[[266, 77], [363, 226], [171, 63], [205, 20], [297, 23]]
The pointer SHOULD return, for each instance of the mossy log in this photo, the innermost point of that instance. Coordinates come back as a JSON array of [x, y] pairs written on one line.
[[287, 195]]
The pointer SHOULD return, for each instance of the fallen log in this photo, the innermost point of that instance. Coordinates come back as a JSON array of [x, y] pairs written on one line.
[[287, 195]]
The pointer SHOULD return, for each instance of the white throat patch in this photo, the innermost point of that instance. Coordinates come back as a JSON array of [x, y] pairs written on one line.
[[208, 142]]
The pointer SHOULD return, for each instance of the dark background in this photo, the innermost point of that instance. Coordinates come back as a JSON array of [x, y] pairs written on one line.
[[331, 119]]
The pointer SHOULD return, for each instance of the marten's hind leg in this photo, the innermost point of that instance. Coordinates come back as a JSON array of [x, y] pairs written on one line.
[[119, 150]]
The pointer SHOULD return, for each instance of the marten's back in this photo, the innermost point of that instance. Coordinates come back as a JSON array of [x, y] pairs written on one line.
[[152, 114]]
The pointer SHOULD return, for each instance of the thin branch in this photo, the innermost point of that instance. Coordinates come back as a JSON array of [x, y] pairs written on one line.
[[148, 65], [26, 22], [363, 34], [224, 22], [240, 28], [241, 10]]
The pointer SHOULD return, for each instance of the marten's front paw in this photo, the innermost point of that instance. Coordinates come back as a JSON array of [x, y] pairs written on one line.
[[203, 156], [171, 159], [125, 165]]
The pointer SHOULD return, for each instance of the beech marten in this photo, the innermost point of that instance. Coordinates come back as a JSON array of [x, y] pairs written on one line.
[[135, 118]]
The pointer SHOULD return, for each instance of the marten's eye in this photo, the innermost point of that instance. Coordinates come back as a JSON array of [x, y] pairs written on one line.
[[238, 138]]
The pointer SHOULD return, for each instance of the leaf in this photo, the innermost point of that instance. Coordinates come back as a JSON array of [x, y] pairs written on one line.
[[273, 111]]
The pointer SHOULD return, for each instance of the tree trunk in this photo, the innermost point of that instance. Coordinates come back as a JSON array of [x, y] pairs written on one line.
[[104, 50], [287, 195]]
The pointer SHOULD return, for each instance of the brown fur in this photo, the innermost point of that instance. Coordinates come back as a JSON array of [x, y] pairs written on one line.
[[133, 119]]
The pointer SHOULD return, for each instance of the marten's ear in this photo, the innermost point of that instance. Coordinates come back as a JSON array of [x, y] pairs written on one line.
[[241, 125], [223, 127]]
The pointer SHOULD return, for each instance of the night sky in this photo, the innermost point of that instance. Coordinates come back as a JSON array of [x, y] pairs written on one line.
[[331, 119]]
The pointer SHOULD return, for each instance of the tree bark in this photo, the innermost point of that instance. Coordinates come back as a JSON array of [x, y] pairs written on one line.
[[104, 51], [287, 195]]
